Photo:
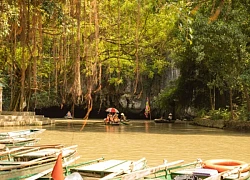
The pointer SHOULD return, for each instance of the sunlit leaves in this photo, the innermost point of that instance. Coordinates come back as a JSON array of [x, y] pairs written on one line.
[[9, 13]]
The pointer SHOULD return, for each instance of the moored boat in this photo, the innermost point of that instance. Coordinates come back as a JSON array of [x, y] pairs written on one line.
[[108, 169], [197, 170], [34, 161], [21, 133], [19, 141]]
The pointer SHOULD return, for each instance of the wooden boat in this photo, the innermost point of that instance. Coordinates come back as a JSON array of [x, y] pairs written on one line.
[[111, 123], [34, 161], [125, 122], [163, 121], [19, 141], [46, 174], [96, 169], [148, 171], [21, 133], [196, 170], [108, 169]]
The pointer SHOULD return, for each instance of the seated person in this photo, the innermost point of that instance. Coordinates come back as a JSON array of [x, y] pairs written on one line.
[[170, 117], [68, 115], [106, 120], [116, 118], [123, 117], [111, 118]]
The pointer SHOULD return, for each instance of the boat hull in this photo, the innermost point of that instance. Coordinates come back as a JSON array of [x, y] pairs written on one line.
[[163, 121]]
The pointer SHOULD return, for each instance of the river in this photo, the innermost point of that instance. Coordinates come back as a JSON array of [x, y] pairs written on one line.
[[154, 141]]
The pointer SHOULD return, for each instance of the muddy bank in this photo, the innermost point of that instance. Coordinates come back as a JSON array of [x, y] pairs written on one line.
[[243, 126]]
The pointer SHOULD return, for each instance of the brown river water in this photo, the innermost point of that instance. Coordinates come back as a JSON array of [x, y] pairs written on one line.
[[154, 141]]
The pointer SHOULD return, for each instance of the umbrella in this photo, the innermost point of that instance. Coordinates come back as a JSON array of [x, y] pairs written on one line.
[[112, 110]]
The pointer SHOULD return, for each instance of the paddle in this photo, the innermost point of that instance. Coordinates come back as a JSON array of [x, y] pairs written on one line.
[[129, 168], [145, 172]]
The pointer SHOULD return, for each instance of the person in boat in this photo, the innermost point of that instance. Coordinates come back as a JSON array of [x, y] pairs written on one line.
[[116, 118], [123, 117], [111, 118], [108, 119], [170, 116], [68, 115]]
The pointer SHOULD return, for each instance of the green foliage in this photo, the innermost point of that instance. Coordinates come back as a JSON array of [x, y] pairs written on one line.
[[164, 99], [220, 114], [44, 99], [202, 113], [216, 58]]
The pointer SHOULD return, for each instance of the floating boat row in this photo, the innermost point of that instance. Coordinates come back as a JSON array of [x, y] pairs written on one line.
[[136, 170], [40, 161], [34, 160], [21, 137]]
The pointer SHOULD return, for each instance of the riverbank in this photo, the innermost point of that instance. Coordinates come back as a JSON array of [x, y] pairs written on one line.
[[243, 126]]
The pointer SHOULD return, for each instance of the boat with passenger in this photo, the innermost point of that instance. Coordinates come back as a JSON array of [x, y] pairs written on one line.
[[112, 117], [168, 120]]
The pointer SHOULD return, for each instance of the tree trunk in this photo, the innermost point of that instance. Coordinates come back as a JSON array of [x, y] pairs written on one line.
[[231, 104], [23, 44], [137, 47], [76, 91], [245, 90]]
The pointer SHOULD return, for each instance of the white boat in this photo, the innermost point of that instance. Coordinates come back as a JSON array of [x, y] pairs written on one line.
[[108, 169], [21, 133], [35, 160], [222, 169]]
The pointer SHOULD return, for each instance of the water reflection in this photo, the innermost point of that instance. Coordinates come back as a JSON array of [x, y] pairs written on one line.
[[147, 139]]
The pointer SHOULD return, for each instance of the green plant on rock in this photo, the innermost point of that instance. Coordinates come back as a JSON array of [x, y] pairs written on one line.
[[202, 113], [220, 114]]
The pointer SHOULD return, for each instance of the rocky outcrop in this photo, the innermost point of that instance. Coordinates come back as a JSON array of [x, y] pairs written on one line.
[[209, 123], [223, 124]]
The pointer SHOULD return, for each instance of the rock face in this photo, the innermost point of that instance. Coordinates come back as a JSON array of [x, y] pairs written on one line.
[[136, 103], [9, 118], [223, 124], [209, 123]]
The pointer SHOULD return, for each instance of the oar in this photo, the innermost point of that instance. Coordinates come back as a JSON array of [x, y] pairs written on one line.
[[224, 174], [145, 172], [41, 174], [128, 168]]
